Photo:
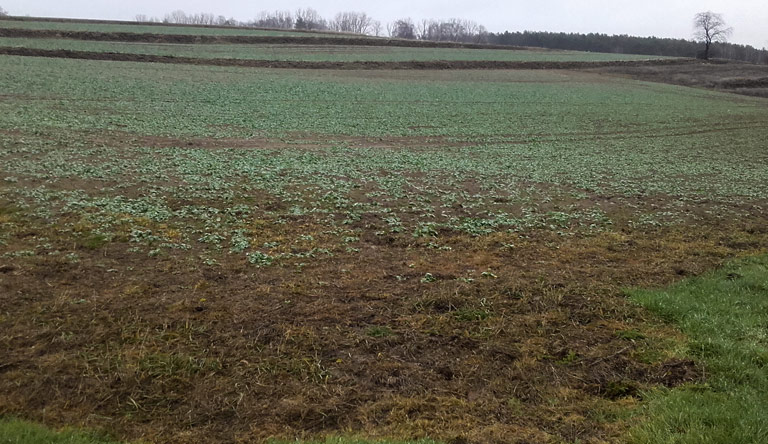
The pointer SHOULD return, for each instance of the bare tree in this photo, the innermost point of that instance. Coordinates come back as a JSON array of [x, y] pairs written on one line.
[[223, 21], [309, 19], [3, 12], [402, 29], [178, 16], [423, 29], [376, 28], [357, 22], [710, 27], [277, 19], [453, 30]]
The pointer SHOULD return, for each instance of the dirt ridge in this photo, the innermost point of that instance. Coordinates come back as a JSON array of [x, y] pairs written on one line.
[[359, 65]]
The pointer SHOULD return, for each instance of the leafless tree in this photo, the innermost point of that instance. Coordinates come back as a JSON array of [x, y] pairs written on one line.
[[423, 29], [277, 19], [223, 21], [376, 28], [182, 18], [178, 16], [357, 22], [453, 30], [3, 12], [710, 27], [402, 29], [309, 19]]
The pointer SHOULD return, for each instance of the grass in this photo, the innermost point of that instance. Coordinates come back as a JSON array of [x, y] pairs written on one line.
[[724, 314], [15, 431], [317, 53]]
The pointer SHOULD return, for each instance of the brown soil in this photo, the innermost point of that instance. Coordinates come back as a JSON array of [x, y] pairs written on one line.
[[362, 65], [741, 78]]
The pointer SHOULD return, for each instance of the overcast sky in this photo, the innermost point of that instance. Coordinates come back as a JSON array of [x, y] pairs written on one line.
[[661, 18]]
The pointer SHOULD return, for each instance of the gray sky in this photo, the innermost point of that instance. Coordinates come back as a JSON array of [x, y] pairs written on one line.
[[661, 18]]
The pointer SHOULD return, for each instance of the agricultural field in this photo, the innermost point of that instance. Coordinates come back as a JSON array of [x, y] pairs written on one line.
[[141, 29], [222, 254], [319, 53]]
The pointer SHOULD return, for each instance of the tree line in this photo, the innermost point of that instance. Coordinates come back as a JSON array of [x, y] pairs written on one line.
[[625, 44]]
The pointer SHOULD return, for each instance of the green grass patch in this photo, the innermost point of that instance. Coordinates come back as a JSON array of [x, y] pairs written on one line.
[[14, 431], [725, 315], [379, 332]]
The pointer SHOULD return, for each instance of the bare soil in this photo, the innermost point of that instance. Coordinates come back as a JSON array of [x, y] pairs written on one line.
[[741, 78]]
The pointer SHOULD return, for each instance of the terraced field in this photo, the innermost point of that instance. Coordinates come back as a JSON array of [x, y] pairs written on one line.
[[319, 53], [140, 29], [220, 254]]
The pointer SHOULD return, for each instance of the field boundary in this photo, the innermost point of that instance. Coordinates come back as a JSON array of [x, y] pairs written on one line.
[[169, 25], [359, 65], [133, 37]]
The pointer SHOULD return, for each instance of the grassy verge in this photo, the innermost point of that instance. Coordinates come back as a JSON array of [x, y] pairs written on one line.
[[14, 431], [725, 315]]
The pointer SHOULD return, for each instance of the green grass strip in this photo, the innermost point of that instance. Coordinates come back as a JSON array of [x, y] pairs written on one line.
[[14, 431], [725, 316]]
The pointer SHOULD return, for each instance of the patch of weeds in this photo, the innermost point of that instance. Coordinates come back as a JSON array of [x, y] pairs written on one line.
[[20, 253], [428, 277], [568, 359], [260, 259], [425, 230], [619, 389], [470, 314], [379, 332], [94, 241], [630, 335], [161, 364]]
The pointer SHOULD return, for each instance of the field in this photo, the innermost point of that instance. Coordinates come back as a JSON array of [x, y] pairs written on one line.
[[223, 254], [318, 53], [137, 28]]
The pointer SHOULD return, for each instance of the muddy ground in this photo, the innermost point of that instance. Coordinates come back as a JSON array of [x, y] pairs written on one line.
[[541, 346], [740, 78]]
